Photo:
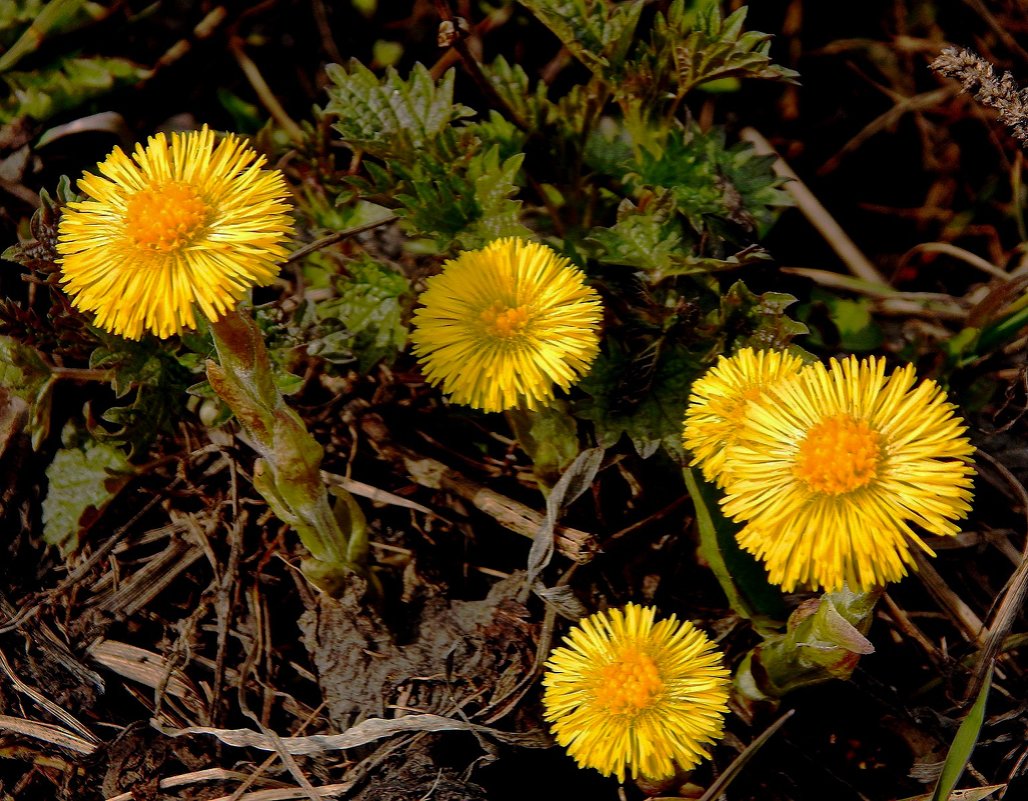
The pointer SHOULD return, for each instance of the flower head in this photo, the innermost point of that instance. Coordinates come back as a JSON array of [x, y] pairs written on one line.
[[179, 222], [627, 694], [831, 469], [501, 325], [720, 399]]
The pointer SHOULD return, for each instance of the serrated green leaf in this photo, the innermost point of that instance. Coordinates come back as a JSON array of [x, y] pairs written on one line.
[[596, 32], [711, 181], [691, 44], [761, 319], [82, 482], [64, 85], [718, 48], [365, 321], [654, 418], [495, 188], [647, 240], [465, 200], [391, 116], [512, 85]]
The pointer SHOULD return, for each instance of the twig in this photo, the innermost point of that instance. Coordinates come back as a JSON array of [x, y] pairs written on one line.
[[338, 236], [1013, 595], [194, 777], [454, 33], [579, 546], [264, 93], [856, 262], [969, 624], [965, 256]]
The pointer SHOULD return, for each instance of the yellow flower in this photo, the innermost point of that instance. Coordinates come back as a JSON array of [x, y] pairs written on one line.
[[831, 469], [628, 694], [719, 401], [501, 325], [177, 223]]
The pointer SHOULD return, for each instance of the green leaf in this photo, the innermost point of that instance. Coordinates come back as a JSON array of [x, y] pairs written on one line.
[[26, 374], [760, 319], [598, 33], [719, 48], [497, 211], [648, 408], [512, 85], [465, 199], [825, 639], [46, 18], [549, 435], [691, 45], [849, 323], [741, 576], [82, 482], [713, 185], [64, 85], [365, 321], [648, 239], [391, 117], [963, 744]]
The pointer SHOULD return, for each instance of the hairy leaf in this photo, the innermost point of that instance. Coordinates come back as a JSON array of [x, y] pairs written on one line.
[[391, 116], [596, 32], [656, 419], [467, 201], [690, 45], [365, 322], [719, 48], [82, 482], [26, 374], [64, 85]]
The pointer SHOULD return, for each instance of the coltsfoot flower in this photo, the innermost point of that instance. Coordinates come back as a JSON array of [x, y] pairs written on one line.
[[180, 222], [831, 469], [500, 326], [626, 694], [719, 401]]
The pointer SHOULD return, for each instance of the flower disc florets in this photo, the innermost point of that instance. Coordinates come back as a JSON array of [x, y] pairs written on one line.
[[180, 222], [831, 469], [626, 694], [720, 399], [500, 326]]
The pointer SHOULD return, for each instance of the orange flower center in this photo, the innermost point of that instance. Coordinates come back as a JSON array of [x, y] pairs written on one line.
[[628, 684], [839, 455], [165, 218], [502, 321]]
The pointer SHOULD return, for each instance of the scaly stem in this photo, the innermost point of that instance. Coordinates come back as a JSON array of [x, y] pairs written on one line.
[[287, 472]]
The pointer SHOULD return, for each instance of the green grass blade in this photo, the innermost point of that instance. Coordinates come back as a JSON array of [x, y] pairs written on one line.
[[963, 744], [54, 14]]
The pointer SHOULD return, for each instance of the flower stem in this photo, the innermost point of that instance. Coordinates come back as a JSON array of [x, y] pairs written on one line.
[[287, 472]]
